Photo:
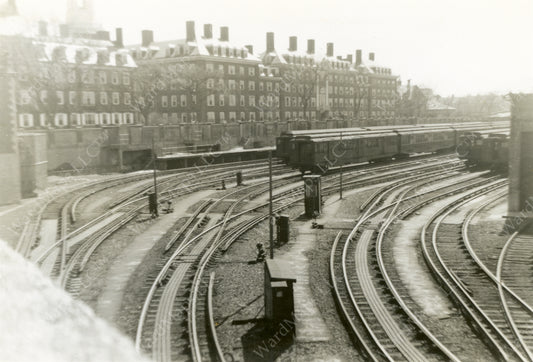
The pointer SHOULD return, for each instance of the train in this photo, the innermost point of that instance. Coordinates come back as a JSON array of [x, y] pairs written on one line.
[[319, 150], [488, 149]]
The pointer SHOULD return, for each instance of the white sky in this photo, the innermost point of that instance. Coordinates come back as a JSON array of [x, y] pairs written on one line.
[[455, 47]]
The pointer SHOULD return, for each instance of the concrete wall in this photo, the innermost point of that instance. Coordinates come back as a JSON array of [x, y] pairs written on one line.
[[33, 162], [521, 154], [89, 149], [9, 158]]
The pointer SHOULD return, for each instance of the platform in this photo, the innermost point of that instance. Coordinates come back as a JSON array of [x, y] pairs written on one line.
[[182, 160], [310, 326]]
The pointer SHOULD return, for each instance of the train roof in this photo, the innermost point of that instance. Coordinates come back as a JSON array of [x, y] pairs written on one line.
[[353, 137], [322, 130]]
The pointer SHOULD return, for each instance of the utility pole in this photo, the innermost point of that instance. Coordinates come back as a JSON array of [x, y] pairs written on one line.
[[154, 159], [271, 217], [340, 189]]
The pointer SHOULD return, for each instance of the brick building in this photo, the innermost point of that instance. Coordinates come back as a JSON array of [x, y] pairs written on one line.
[[202, 79], [74, 82], [315, 86]]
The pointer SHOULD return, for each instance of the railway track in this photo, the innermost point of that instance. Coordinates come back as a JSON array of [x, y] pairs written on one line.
[[470, 287], [364, 289]]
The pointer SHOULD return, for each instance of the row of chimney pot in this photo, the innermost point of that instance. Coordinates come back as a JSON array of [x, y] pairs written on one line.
[[148, 38], [65, 32]]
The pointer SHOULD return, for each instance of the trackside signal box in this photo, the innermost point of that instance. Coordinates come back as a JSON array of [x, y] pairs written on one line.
[[282, 226], [279, 296], [312, 195]]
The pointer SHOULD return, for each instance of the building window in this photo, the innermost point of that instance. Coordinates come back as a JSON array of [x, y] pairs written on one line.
[[102, 77], [60, 97], [103, 98], [26, 120], [24, 97], [241, 71], [269, 86], [261, 86], [164, 101], [251, 100], [174, 101], [251, 85], [210, 67], [211, 100], [287, 115], [184, 117], [251, 71], [128, 118], [221, 100], [90, 119], [44, 96], [75, 119], [127, 98], [117, 118], [114, 78], [183, 100], [231, 84], [252, 116], [243, 116], [232, 116], [61, 120], [241, 85], [105, 118], [232, 100], [231, 69], [72, 97], [88, 98], [210, 116], [87, 77], [242, 101], [126, 78], [222, 117], [116, 98], [193, 117], [210, 83]]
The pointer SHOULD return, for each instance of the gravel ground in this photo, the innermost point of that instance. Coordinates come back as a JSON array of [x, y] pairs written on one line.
[[138, 287], [238, 295], [93, 276]]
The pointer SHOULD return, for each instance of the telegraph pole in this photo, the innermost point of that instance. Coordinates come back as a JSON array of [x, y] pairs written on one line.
[[271, 217], [340, 189], [154, 159]]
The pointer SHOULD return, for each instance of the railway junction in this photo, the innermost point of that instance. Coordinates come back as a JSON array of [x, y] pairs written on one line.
[[387, 249]]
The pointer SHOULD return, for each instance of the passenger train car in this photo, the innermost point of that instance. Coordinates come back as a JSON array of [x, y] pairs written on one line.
[[319, 151]]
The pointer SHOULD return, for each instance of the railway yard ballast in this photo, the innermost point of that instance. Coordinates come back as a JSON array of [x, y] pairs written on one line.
[[385, 244]]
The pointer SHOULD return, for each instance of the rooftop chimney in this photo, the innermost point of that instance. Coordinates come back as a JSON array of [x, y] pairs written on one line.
[[147, 37], [119, 40], [250, 48], [43, 28], [208, 31], [224, 33], [310, 46], [293, 43], [191, 36], [329, 49], [102, 35], [270, 42], [358, 57], [371, 56], [349, 58]]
